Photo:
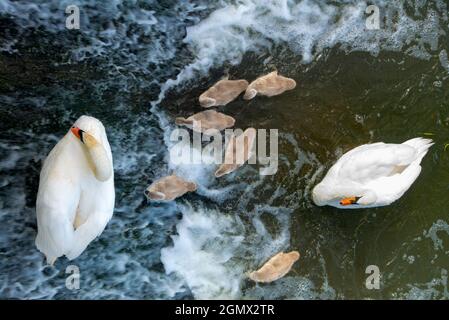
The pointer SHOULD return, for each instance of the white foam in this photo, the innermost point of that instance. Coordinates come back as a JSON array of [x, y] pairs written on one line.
[[432, 233], [437, 288], [194, 165], [444, 60], [202, 254]]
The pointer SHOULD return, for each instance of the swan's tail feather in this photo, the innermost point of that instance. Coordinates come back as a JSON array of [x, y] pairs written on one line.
[[420, 144], [45, 245]]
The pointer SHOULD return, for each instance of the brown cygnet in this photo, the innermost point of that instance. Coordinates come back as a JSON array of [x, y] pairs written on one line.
[[223, 92], [209, 119], [275, 268], [169, 188], [238, 151], [269, 85]]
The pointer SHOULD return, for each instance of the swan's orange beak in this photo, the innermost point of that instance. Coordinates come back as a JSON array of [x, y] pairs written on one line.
[[77, 132], [348, 201]]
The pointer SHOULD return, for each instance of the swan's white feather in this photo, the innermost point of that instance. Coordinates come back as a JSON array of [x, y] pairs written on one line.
[[370, 162]]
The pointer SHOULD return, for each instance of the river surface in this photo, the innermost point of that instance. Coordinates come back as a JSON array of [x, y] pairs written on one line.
[[136, 65]]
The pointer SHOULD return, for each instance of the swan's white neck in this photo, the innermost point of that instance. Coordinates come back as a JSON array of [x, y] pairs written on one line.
[[324, 193], [367, 197], [98, 157]]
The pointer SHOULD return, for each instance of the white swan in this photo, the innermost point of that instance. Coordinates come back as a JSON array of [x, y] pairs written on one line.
[[372, 175], [76, 193]]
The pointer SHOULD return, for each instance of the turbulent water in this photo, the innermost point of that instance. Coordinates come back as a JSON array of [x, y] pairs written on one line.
[[136, 65]]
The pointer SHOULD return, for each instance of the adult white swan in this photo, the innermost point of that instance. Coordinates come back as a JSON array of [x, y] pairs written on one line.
[[76, 193], [372, 175]]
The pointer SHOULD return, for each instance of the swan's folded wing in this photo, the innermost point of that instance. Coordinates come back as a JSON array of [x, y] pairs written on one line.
[[370, 162], [56, 204]]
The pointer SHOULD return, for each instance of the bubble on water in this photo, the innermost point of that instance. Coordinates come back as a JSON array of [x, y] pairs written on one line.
[[359, 119], [437, 84]]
